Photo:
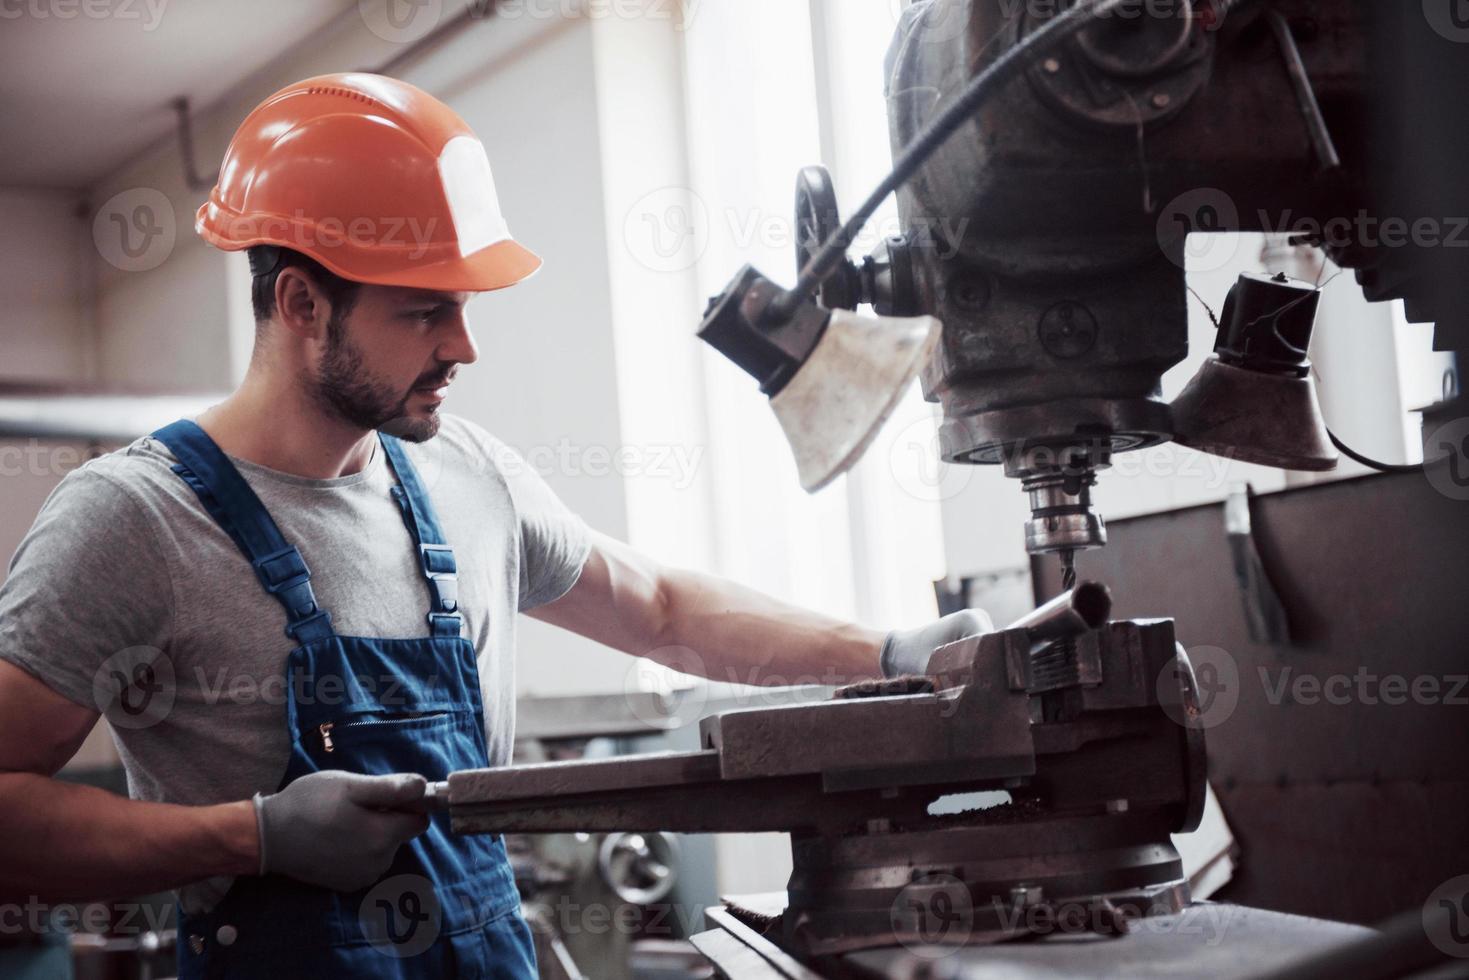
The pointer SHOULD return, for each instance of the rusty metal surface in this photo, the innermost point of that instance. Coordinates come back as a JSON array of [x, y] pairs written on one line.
[[1204, 939], [1347, 796], [876, 890], [1223, 942], [817, 766], [1100, 769], [771, 956], [733, 959]]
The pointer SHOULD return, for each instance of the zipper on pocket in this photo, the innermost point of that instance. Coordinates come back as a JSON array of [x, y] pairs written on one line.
[[326, 728]]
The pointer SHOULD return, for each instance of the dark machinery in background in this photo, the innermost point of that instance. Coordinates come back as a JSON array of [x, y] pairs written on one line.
[[1063, 300], [1081, 144]]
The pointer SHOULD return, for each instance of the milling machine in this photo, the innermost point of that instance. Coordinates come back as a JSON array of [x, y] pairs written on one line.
[[1082, 143]]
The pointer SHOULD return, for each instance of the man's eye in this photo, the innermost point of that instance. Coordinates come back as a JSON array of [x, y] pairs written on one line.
[[422, 314]]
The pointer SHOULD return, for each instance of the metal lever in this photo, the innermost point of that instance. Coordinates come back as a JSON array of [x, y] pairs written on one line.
[[1300, 83]]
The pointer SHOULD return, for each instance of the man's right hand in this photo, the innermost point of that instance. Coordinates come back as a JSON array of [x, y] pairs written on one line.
[[338, 829]]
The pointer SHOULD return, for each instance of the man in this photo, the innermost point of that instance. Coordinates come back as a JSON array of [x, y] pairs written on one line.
[[300, 606]]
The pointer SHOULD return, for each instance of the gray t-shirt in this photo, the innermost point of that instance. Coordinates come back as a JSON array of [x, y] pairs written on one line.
[[125, 577]]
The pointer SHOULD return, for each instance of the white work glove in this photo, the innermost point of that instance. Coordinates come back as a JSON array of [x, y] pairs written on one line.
[[907, 652], [338, 829]]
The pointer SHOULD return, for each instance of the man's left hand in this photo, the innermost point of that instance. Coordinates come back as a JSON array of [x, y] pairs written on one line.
[[908, 651]]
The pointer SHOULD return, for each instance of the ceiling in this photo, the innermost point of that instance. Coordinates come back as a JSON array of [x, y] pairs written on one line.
[[83, 93]]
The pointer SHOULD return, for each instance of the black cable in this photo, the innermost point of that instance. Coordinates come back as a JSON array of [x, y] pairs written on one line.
[[1367, 461], [1371, 463], [1005, 67]]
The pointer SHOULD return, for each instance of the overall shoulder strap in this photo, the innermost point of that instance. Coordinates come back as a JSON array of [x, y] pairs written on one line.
[[435, 556], [231, 502]]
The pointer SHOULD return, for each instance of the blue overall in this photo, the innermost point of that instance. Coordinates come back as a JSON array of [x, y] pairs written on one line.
[[447, 907]]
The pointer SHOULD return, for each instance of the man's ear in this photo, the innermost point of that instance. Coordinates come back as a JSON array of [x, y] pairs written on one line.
[[300, 305]]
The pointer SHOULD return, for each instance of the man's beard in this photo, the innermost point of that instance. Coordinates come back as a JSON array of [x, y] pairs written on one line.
[[349, 391]]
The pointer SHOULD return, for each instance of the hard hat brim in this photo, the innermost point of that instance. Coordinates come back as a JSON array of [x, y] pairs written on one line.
[[496, 266]]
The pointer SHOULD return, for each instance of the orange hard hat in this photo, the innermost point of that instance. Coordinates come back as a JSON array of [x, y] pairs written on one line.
[[375, 179]]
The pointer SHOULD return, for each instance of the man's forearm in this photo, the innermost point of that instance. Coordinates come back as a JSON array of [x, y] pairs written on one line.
[[61, 841], [746, 637]]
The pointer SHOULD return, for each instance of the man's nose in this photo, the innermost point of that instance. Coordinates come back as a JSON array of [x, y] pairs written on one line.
[[458, 345]]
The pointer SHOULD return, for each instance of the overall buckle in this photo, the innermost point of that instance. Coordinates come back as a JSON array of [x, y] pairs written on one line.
[[284, 574], [442, 572]]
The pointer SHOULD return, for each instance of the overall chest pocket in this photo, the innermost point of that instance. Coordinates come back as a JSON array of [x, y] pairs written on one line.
[[381, 706]]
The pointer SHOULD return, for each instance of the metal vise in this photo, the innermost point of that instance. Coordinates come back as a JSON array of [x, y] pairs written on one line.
[[1088, 729]]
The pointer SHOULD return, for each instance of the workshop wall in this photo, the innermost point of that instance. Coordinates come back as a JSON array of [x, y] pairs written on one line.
[[45, 336]]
